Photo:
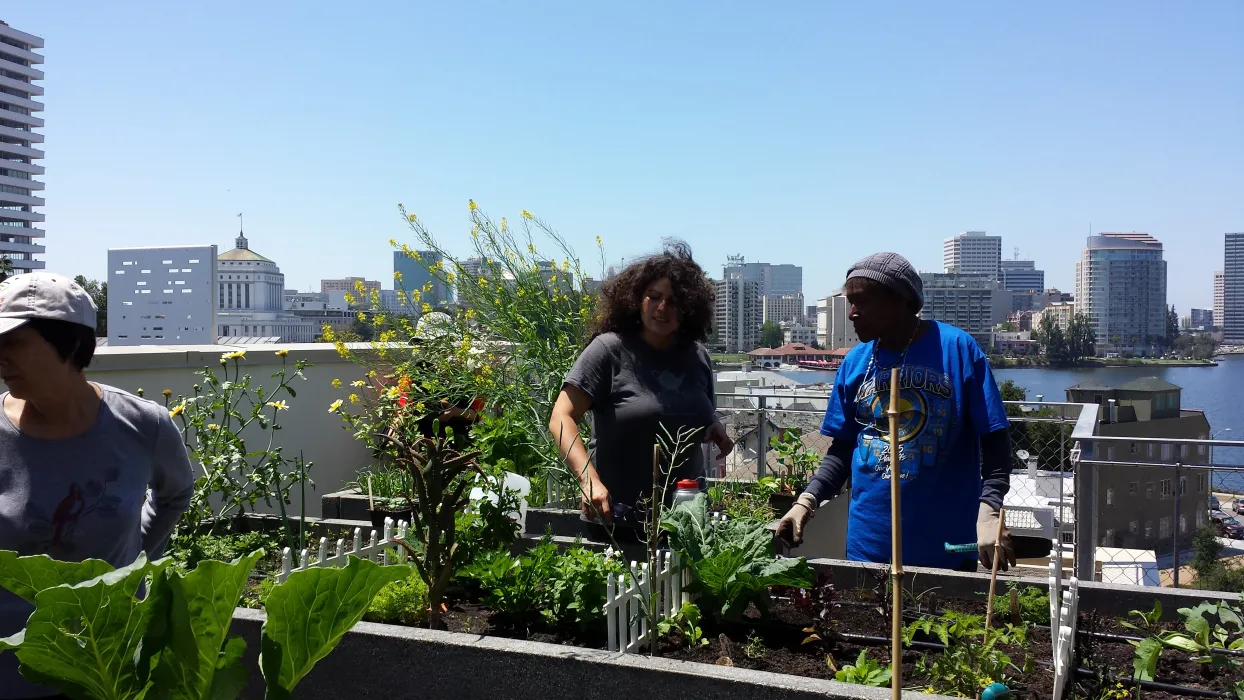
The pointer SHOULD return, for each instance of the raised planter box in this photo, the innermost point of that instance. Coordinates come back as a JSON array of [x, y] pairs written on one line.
[[395, 663]]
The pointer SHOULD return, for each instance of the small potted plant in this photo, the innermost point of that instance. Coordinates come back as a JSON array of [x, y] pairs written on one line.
[[399, 508], [797, 464]]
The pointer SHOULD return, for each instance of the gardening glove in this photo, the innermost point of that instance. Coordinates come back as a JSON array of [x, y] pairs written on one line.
[[790, 527], [987, 520]]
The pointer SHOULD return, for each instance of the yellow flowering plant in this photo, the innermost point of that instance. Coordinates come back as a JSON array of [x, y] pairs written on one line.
[[233, 477], [525, 316]]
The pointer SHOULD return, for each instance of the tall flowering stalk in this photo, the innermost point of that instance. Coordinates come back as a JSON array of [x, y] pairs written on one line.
[[233, 477], [519, 321]]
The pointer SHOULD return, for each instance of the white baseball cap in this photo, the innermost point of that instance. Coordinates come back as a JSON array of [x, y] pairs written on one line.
[[44, 295]]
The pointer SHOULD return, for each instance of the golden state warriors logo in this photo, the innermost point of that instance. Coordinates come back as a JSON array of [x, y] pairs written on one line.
[[913, 413]]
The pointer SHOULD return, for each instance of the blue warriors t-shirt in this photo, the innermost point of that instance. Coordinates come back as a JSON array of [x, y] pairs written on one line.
[[948, 400]]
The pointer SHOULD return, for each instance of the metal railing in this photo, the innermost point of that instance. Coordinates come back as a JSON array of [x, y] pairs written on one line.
[[1123, 509]]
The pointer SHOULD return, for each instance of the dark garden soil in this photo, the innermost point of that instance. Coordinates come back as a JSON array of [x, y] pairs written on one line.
[[776, 644], [1114, 657]]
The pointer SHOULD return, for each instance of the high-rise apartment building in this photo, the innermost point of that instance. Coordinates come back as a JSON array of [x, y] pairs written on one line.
[[412, 276], [162, 296], [772, 280], [738, 317], [1218, 296], [971, 302], [1121, 288], [834, 330], [1233, 289], [1022, 276], [20, 236], [782, 309], [973, 253]]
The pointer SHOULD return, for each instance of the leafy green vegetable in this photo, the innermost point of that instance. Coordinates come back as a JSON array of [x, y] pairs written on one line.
[[310, 612], [866, 671], [26, 576], [96, 639], [1148, 620], [89, 639], [971, 660], [687, 621], [732, 563], [1145, 661], [200, 610]]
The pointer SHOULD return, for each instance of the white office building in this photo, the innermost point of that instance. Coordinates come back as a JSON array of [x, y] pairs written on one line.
[[798, 333], [738, 317], [20, 235], [834, 330], [1022, 276], [250, 293], [973, 253], [1121, 288], [1219, 295], [771, 280], [971, 302], [782, 309], [162, 296]]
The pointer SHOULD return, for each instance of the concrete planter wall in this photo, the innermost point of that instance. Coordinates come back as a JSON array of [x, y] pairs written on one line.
[[397, 663]]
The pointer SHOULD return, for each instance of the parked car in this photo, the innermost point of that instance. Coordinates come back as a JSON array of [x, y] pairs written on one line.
[[1237, 505], [1226, 525]]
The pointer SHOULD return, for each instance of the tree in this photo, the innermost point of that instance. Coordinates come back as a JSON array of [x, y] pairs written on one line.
[[1205, 551], [1013, 392], [770, 335], [1172, 326], [1080, 338], [1052, 340], [1007, 326], [6, 268], [99, 294]]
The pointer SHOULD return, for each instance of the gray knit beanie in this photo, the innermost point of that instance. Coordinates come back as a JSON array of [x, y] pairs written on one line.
[[893, 271]]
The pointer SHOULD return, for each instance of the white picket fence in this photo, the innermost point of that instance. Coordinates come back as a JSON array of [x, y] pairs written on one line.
[[377, 549], [627, 597], [1064, 608]]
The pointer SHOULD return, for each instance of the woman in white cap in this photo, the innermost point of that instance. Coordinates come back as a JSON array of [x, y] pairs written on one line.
[[86, 470], [954, 450]]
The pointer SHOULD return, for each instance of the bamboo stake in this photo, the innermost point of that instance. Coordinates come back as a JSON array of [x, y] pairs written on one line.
[[654, 530], [993, 576], [896, 541], [371, 501]]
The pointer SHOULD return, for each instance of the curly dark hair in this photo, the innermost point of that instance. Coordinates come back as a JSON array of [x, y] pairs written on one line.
[[622, 296]]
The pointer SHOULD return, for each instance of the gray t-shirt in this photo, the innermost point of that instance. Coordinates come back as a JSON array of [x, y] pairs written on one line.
[[635, 389], [116, 489]]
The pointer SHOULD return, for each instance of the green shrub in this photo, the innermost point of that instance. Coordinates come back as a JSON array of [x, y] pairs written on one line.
[[403, 602]]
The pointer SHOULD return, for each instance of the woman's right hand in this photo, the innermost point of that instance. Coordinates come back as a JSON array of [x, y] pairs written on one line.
[[594, 498]]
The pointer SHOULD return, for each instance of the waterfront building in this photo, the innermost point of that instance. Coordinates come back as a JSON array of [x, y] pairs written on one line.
[[834, 330], [974, 303], [1219, 276], [771, 280], [781, 309], [1233, 289], [1121, 288], [738, 315]]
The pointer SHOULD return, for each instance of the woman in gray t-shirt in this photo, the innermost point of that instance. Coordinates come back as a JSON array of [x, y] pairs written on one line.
[[645, 370], [86, 471]]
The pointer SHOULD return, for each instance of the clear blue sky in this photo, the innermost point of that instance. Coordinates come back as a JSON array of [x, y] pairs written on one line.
[[814, 133]]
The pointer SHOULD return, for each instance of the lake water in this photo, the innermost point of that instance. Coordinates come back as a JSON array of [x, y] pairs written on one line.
[[1214, 390]]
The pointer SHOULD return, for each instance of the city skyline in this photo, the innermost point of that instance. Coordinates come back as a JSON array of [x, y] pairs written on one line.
[[831, 133]]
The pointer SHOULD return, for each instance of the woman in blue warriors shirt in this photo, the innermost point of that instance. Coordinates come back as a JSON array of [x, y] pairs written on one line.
[[954, 451]]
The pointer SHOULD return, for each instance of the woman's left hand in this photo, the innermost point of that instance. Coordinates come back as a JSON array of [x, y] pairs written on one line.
[[716, 434]]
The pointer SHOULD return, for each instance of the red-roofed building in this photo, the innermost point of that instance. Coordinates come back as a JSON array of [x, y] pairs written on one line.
[[793, 354]]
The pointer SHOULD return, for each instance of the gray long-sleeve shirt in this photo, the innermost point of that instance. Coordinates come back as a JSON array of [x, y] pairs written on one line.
[[115, 490]]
